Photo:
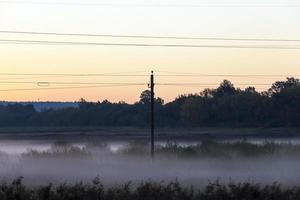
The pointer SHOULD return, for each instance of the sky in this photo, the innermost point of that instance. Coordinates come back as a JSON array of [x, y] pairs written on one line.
[[215, 18]]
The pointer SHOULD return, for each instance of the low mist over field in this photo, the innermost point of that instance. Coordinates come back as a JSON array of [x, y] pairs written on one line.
[[117, 163]]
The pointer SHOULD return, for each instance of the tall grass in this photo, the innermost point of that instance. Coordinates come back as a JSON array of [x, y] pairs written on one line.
[[213, 149], [205, 149], [58, 150], [147, 191]]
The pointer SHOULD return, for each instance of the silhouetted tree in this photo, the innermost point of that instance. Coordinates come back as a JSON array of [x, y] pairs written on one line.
[[279, 86], [145, 97], [225, 88]]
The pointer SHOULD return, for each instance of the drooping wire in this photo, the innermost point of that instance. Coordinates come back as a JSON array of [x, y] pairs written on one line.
[[148, 5], [149, 36], [73, 74], [158, 74], [47, 42], [67, 83], [64, 88]]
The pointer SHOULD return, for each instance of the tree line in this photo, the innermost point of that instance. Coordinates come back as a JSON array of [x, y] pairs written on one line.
[[224, 106]]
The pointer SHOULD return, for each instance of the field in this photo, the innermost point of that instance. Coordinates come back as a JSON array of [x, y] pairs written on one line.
[[199, 164], [134, 132]]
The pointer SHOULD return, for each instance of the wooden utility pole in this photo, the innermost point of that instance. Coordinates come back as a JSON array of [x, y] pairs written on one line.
[[152, 113]]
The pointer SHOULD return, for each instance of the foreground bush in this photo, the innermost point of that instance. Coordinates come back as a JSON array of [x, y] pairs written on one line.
[[147, 191]]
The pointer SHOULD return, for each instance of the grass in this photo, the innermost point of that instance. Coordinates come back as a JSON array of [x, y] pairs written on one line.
[[59, 149], [147, 191], [213, 149], [137, 132], [205, 149]]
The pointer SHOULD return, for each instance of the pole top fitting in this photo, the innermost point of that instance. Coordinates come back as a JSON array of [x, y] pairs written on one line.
[[152, 72]]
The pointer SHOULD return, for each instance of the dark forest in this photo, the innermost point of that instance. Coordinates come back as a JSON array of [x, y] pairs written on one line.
[[224, 106]]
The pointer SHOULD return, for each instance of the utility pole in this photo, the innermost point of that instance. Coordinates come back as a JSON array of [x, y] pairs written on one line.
[[152, 113]]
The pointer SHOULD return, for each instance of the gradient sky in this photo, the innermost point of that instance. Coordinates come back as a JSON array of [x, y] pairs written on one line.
[[231, 22]]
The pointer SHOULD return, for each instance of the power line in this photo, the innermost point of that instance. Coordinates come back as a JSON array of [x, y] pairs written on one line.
[[26, 78], [114, 83], [207, 84], [263, 86], [50, 76], [150, 5], [70, 74], [39, 76], [150, 36], [68, 83], [44, 85], [177, 74], [190, 74], [64, 88], [226, 75], [47, 42], [109, 86]]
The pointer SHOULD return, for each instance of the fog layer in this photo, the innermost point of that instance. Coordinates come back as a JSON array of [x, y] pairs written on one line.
[[114, 169]]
